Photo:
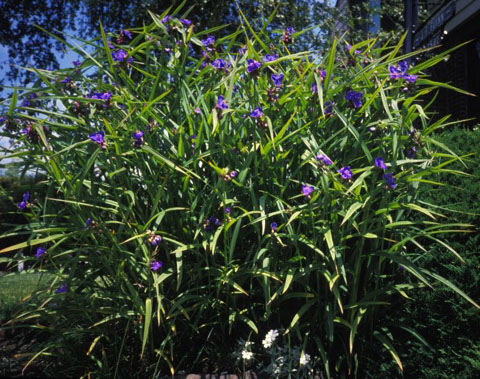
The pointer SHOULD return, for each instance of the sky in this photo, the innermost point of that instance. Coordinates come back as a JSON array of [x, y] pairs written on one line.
[[64, 62]]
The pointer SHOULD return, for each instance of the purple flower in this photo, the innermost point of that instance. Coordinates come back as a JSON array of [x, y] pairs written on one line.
[[186, 22], [66, 80], [290, 30], [209, 41], [197, 110], [242, 50], [138, 137], [400, 71], [166, 19], [274, 227], [395, 72], [156, 240], [257, 112], [355, 98], [62, 289], [221, 104], [314, 87], [323, 158], [3, 119], [98, 137], [277, 79], [211, 224], [88, 223], [380, 163], [234, 174], [323, 74], [194, 138], [126, 33], [41, 251], [253, 66], [228, 210], [156, 265], [23, 204], [307, 191], [100, 96], [410, 78], [403, 66], [328, 108], [412, 152], [270, 58], [345, 172], [220, 64], [77, 63], [390, 179], [120, 56]]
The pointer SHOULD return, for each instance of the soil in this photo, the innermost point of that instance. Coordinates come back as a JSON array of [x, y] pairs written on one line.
[[15, 346]]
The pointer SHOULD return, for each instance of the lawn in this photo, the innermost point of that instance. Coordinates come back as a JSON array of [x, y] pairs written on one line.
[[16, 286]]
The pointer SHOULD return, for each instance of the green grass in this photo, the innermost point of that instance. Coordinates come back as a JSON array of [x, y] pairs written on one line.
[[16, 286]]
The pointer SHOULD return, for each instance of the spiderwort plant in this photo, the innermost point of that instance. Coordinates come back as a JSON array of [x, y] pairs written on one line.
[[210, 186]]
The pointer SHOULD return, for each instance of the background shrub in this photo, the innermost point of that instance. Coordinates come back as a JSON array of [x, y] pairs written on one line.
[[442, 318]]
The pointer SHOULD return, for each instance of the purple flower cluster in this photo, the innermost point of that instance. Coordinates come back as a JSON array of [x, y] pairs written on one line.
[[270, 58], [62, 289], [287, 35], [99, 137], [277, 79], [355, 98], [126, 33], [324, 159], [138, 137], [220, 64], [31, 133], [328, 108], [308, 191], [156, 265], [209, 41], [120, 56], [88, 223], [390, 179], [274, 227], [221, 104], [345, 172], [23, 204], [380, 163], [400, 71], [28, 102], [211, 224], [40, 252], [257, 112], [242, 50], [253, 66], [100, 96], [155, 240]]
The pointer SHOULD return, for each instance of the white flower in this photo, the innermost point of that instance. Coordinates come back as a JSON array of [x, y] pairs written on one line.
[[247, 355], [269, 338], [304, 359]]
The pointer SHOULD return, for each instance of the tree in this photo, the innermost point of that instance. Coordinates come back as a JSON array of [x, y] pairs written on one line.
[[30, 46]]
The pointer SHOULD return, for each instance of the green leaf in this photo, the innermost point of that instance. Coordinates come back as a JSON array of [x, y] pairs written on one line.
[[389, 346], [146, 324]]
